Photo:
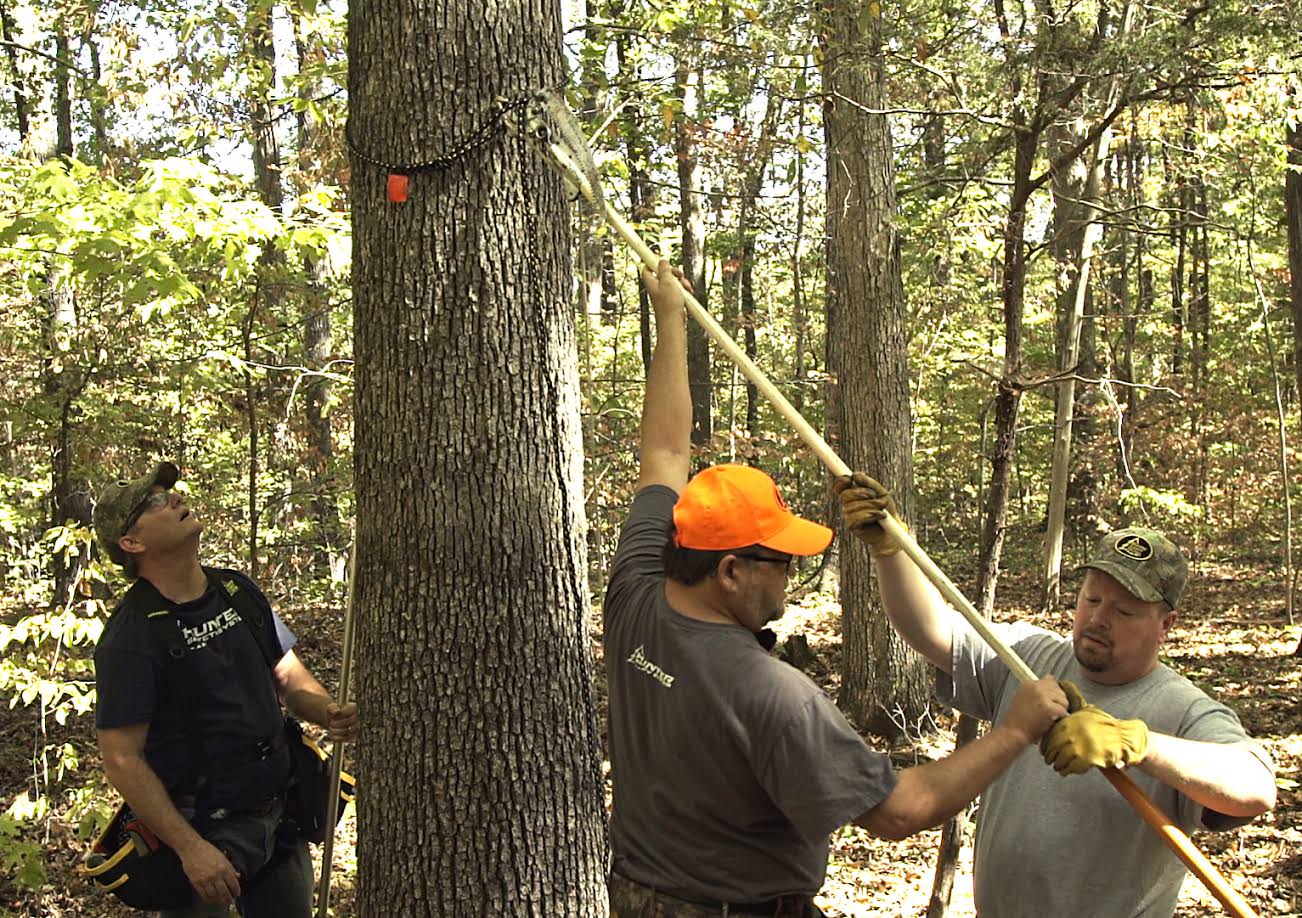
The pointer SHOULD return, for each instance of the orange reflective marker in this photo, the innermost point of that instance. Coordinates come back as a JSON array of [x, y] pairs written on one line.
[[397, 188]]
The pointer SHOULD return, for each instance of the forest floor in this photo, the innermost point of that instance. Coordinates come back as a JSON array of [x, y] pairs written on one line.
[[1227, 641]]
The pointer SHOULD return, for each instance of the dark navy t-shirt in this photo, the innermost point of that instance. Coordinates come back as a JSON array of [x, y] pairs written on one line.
[[235, 694]]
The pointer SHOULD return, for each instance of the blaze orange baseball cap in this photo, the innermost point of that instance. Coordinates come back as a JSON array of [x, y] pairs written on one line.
[[733, 506]]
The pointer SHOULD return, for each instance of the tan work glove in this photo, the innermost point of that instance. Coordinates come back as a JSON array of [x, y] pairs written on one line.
[[1090, 737], [864, 501]]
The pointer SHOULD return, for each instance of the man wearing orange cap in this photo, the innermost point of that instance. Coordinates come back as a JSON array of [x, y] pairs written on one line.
[[731, 768]]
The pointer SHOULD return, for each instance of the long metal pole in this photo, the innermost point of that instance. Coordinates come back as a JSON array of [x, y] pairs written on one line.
[[1175, 839], [337, 758]]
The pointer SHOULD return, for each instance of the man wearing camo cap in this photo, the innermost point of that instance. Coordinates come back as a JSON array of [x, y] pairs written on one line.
[[1074, 847], [208, 779]]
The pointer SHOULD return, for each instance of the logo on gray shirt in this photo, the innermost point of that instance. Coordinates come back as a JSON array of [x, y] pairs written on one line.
[[639, 661]]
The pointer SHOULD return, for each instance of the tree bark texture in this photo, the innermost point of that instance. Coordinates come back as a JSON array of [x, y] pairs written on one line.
[[96, 97], [1009, 397], [641, 192], [63, 142], [1293, 216], [62, 384], [952, 833], [21, 104], [318, 346], [260, 59], [751, 186], [797, 275], [692, 220], [483, 786], [884, 684], [1076, 193]]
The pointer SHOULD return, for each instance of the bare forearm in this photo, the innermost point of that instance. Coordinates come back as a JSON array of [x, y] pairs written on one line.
[[148, 798], [916, 609], [1225, 777], [927, 795], [309, 703], [665, 447]]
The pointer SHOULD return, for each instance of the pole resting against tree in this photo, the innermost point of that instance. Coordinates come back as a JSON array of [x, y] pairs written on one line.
[[337, 760], [552, 123]]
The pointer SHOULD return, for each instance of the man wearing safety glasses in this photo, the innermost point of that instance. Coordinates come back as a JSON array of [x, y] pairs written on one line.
[[192, 735], [731, 768]]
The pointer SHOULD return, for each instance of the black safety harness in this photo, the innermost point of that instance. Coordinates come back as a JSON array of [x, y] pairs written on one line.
[[178, 678]]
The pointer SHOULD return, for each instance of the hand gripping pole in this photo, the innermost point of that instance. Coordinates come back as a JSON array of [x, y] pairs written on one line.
[[552, 122]]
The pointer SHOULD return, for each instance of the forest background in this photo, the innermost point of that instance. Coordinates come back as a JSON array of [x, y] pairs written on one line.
[[1092, 249]]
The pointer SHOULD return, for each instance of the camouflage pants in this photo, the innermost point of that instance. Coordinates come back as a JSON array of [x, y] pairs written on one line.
[[633, 900]]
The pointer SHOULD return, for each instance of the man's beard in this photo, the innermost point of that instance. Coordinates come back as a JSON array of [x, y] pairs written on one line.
[[1089, 665]]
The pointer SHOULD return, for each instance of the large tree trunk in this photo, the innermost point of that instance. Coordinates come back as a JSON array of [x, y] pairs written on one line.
[[484, 791], [1074, 188], [1199, 336], [1176, 179], [1143, 304], [884, 684]]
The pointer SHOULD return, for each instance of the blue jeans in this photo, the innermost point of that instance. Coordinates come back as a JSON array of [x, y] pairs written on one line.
[[275, 874]]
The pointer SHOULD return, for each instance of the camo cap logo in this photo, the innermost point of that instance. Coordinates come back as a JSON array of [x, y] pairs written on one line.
[[1134, 547], [1144, 561]]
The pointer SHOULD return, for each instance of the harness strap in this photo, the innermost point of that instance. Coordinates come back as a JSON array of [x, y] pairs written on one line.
[[179, 677]]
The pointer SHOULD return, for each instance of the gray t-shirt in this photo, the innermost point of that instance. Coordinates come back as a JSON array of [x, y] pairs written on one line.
[[730, 767], [1072, 846]]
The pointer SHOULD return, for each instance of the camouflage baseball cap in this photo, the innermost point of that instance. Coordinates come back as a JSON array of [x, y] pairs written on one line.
[[120, 500], [1144, 561]]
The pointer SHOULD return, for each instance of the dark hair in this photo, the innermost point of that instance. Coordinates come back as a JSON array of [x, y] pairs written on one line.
[[689, 566]]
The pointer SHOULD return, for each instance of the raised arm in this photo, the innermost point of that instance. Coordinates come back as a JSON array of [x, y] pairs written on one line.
[[927, 795], [207, 869], [914, 606], [666, 445]]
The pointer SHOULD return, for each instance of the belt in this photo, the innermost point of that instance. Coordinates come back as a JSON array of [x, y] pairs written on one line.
[[261, 808], [254, 752], [793, 906]]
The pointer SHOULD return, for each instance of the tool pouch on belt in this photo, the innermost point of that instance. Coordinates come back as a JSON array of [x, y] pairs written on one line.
[[128, 860], [308, 796]]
